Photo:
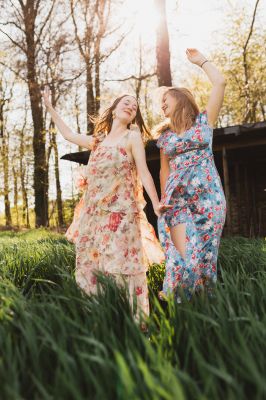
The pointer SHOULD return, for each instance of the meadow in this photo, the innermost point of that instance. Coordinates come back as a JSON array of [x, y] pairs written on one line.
[[57, 343]]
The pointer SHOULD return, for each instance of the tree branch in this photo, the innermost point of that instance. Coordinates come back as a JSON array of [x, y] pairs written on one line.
[[14, 72], [45, 23], [13, 23], [137, 78], [252, 25], [13, 41]]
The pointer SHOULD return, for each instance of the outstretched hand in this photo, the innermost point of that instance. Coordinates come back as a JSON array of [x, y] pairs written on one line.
[[195, 57], [46, 95]]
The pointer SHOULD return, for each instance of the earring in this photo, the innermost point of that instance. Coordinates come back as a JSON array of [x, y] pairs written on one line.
[[113, 114]]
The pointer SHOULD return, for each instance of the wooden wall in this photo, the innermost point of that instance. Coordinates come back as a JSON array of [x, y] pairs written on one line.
[[247, 190]]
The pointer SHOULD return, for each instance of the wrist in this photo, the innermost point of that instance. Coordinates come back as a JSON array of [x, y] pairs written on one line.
[[203, 62], [156, 204]]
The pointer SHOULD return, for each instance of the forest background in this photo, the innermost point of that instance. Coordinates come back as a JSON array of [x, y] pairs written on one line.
[[91, 51]]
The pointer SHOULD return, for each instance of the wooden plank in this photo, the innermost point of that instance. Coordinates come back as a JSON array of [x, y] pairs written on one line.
[[237, 144], [227, 191]]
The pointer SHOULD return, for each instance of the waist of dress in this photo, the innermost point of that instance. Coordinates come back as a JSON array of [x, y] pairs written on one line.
[[189, 159]]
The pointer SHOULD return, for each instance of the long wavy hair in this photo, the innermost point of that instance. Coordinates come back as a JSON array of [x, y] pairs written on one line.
[[185, 113], [103, 123]]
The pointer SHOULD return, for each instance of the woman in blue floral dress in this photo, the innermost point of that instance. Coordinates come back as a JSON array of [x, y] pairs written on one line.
[[190, 231]]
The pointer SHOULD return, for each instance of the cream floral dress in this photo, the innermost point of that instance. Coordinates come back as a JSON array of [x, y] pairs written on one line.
[[110, 229]]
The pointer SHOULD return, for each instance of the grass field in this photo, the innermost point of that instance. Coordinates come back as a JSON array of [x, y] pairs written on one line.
[[56, 343]]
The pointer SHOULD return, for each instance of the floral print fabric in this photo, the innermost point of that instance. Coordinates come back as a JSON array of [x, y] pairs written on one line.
[[110, 229], [195, 191]]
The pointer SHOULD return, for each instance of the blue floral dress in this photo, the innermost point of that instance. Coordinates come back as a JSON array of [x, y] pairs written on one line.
[[194, 189]]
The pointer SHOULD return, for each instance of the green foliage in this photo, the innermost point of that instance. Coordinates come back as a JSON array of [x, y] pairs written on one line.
[[243, 67], [155, 277], [57, 343], [68, 212]]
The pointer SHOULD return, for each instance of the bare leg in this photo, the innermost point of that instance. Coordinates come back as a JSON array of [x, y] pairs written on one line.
[[178, 236]]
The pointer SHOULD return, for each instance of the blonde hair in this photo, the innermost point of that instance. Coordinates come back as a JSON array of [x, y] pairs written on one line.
[[185, 113], [103, 123]]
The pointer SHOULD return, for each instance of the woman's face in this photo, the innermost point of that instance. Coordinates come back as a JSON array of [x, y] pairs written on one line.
[[126, 109], [168, 105]]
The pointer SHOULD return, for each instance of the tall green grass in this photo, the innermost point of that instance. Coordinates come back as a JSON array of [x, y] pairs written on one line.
[[57, 343]]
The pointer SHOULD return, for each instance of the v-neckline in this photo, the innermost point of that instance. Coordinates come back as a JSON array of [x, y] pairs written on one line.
[[114, 145]]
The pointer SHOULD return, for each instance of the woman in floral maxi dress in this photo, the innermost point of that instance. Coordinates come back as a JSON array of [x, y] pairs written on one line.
[[190, 232], [110, 229]]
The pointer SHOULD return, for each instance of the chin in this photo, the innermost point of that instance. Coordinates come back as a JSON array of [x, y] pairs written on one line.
[[123, 118]]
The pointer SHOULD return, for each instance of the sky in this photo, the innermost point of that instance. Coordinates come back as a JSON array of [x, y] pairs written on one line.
[[191, 23]]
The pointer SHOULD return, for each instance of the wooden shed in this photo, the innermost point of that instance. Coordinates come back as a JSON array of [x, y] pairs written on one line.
[[240, 157]]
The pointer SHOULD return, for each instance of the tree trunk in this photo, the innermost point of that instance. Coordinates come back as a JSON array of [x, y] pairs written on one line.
[[59, 202], [5, 156], [40, 165], [15, 177], [25, 207], [89, 97], [39, 137], [162, 47], [249, 109]]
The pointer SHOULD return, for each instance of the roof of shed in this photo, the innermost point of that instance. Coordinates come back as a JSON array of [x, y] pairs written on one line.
[[232, 137]]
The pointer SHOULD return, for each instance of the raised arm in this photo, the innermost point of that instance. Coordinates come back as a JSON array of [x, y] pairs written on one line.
[[81, 140], [218, 83]]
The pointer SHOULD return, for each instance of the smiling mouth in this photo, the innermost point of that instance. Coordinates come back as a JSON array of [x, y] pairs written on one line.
[[128, 112]]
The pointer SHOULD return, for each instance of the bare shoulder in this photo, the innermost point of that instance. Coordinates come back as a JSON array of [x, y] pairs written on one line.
[[135, 134]]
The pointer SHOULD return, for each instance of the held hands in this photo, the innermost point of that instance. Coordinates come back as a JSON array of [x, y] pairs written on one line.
[[159, 209], [46, 95], [195, 57]]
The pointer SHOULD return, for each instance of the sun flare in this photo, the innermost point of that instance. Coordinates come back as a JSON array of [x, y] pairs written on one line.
[[142, 16]]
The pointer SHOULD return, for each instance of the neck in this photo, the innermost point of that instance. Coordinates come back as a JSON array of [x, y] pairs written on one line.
[[118, 127], [178, 130]]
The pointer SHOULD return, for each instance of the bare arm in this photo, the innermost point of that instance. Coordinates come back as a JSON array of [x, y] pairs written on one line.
[[81, 140], [138, 153], [218, 84], [164, 171]]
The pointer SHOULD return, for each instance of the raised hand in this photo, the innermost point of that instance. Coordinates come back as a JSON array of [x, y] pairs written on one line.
[[195, 57], [46, 95]]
